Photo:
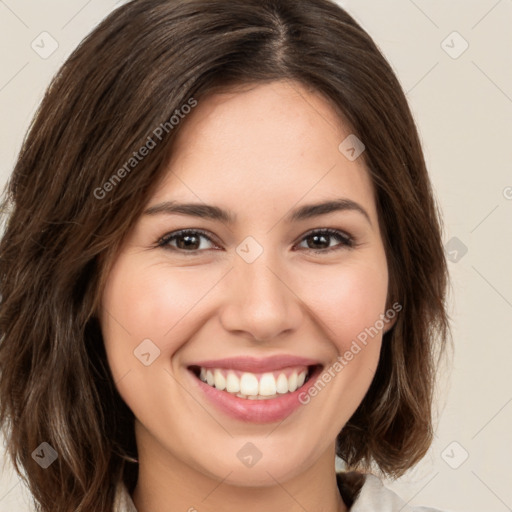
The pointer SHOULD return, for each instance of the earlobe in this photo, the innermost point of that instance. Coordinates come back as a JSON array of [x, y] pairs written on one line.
[[390, 316], [390, 320], [389, 325]]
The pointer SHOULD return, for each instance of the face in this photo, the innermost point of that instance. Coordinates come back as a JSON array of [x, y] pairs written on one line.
[[263, 302]]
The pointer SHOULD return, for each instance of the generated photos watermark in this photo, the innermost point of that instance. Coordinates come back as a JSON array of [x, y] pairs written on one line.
[[342, 361], [152, 141]]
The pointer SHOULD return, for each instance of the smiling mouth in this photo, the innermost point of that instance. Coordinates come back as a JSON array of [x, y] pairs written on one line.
[[256, 386]]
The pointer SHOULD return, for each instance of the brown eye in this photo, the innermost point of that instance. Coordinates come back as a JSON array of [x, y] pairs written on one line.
[[190, 241], [185, 241], [319, 241]]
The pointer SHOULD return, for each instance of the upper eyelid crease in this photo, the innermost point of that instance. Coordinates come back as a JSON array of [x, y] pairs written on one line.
[[216, 213], [344, 239]]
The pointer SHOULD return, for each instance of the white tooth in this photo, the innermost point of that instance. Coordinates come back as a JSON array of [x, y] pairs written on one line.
[[232, 383], [209, 377], [220, 381], [267, 385], [249, 384], [292, 382], [202, 375], [301, 378], [252, 397], [282, 384]]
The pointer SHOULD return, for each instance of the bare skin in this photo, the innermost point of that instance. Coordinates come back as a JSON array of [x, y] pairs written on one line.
[[258, 153]]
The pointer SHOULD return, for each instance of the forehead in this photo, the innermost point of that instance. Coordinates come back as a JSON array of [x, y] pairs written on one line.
[[277, 143]]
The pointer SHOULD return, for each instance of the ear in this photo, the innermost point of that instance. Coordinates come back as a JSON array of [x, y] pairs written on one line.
[[389, 324], [391, 315]]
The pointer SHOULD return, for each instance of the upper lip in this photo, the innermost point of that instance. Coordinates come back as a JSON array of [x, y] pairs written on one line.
[[255, 365]]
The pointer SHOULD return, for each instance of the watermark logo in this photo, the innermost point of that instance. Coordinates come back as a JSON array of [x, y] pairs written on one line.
[[455, 249], [249, 250], [44, 455], [454, 455], [454, 45], [45, 45], [352, 147], [146, 352], [249, 455]]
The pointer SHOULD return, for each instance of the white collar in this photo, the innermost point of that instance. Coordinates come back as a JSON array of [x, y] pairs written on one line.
[[374, 496]]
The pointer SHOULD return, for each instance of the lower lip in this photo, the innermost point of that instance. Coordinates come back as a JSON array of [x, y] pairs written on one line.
[[256, 411]]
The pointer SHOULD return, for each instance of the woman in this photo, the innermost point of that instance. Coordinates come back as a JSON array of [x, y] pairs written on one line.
[[173, 338]]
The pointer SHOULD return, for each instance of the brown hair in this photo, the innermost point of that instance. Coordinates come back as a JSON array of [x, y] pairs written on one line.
[[130, 75]]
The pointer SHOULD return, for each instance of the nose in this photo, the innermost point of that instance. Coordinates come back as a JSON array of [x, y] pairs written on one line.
[[261, 301]]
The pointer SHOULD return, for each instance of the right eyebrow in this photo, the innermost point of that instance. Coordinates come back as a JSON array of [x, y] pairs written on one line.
[[201, 210]]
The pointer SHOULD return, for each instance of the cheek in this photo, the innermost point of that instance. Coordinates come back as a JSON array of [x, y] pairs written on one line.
[[348, 299], [143, 302], [147, 301]]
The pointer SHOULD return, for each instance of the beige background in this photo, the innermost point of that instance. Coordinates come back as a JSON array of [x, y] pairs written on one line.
[[462, 101]]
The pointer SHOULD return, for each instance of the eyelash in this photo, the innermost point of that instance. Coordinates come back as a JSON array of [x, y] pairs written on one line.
[[345, 240]]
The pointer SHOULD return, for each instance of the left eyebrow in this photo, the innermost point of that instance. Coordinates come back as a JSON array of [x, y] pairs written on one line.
[[313, 210], [211, 212]]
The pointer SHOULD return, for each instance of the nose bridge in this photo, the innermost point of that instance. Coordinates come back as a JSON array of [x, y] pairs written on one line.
[[260, 300]]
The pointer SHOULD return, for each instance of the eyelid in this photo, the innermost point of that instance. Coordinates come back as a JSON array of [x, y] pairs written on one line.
[[346, 241], [162, 242]]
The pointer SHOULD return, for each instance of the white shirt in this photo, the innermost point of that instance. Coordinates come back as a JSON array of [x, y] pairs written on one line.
[[373, 497], [376, 497]]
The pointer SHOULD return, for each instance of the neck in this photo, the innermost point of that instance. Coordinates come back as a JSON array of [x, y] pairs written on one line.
[[168, 483]]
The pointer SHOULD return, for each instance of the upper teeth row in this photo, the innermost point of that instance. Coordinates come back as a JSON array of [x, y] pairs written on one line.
[[249, 385]]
